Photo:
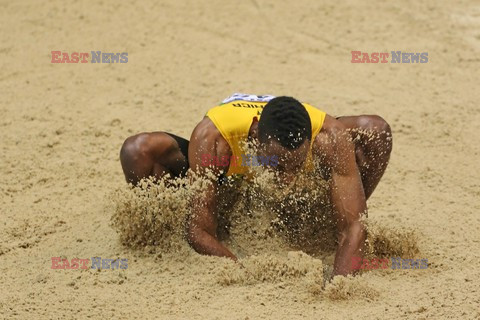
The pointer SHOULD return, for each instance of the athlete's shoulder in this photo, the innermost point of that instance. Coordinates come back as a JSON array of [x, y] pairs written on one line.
[[206, 129], [332, 131]]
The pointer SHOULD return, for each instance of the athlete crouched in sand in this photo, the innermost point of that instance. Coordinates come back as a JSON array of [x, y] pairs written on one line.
[[352, 151]]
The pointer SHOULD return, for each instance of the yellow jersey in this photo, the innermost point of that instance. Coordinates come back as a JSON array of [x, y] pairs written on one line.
[[233, 118]]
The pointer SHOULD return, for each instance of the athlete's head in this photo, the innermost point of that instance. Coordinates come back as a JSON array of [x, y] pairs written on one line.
[[285, 130]]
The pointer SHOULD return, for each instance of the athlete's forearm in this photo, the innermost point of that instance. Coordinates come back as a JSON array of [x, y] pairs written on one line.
[[202, 227], [349, 203], [351, 243]]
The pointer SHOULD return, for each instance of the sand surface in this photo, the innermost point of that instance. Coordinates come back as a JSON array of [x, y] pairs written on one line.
[[62, 127]]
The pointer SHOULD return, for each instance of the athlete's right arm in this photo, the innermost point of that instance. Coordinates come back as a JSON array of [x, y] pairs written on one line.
[[201, 228]]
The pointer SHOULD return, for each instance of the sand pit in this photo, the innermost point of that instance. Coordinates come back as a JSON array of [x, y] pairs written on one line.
[[62, 187]]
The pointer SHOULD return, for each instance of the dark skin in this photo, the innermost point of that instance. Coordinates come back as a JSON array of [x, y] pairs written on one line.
[[353, 153], [336, 151], [334, 148], [151, 154]]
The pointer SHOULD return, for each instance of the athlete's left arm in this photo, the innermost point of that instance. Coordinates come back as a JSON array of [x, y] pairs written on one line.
[[347, 195]]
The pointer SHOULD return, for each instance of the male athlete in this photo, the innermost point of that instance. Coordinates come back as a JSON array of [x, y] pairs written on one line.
[[352, 153]]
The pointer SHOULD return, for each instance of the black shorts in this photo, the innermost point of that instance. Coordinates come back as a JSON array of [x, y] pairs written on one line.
[[182, 143]]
